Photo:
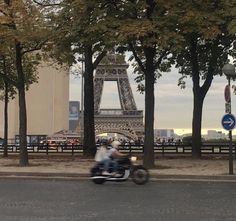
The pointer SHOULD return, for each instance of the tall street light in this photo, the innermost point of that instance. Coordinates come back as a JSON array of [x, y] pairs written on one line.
[[82, 60], [229, 71]]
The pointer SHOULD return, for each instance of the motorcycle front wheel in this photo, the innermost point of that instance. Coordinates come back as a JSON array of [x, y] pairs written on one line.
[[140, 175]]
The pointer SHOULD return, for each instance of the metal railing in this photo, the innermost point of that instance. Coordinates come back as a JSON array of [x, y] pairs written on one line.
[[161, 149]]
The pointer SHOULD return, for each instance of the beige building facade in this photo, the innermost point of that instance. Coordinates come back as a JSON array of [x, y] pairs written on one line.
[[47, 104]]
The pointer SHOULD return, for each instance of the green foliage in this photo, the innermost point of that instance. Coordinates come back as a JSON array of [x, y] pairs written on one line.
[[30, 67], [79, 24], [142, 26], [206, 24], [7, 75], [22, 21]]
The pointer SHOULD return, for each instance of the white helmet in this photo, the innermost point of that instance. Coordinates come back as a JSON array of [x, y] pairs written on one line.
[[115, 144]]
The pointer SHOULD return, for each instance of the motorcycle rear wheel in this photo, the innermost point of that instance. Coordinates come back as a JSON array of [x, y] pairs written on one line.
[[95, 171], [99, 180], [140, 175]]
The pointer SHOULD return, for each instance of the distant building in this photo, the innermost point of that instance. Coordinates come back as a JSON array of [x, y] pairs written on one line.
[[215, 135], [47, 105], [163, 134]]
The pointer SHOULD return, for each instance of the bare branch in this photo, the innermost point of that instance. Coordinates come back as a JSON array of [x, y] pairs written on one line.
[[99, 58], [3, 12], [47, 3], [36, 47], [140, 63]]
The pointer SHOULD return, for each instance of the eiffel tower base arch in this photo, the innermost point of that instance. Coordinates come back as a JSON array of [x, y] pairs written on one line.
[[128, 126]]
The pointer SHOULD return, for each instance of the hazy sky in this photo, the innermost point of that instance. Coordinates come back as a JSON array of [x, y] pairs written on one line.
[[173, 106]]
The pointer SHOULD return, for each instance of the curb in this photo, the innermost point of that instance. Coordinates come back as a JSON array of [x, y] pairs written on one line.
[[42, 174], [85, 176], [196, 177]]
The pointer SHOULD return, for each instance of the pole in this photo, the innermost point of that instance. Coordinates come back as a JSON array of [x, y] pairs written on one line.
[[82, 105], [231, 168]]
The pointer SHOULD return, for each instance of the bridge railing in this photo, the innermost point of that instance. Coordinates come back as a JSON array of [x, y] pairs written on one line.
[[160, 149]]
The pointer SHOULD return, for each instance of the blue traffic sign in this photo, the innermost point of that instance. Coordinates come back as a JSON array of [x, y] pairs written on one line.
[[228, 121]]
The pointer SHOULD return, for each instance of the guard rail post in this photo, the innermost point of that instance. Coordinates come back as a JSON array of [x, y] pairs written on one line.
[[72, 149], [47, 148]]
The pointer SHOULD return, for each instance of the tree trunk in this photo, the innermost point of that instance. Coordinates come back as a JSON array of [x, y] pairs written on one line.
[[197, 125], [148, 160], [23, 128], [22, 107], [199, 93], [89, 147]]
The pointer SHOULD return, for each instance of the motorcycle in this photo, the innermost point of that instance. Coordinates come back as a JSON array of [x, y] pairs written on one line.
[[126, 169]]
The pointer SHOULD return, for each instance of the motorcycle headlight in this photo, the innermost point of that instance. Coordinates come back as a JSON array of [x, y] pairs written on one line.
[[133, 159]]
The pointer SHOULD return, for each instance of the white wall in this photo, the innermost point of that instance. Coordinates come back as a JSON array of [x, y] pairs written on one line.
[[47, 104]]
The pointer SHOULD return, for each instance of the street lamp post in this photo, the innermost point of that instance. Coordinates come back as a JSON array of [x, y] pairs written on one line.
[[82, 101], [229, 71]]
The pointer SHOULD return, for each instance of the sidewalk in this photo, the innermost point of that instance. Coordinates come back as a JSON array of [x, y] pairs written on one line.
[[78, 167]]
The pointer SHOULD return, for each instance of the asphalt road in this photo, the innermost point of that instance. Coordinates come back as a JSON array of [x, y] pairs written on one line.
[[55, 200]]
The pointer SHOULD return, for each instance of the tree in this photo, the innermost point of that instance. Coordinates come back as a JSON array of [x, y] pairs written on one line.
[[23, 30], [205, 28], [83, 29], [142, 27]]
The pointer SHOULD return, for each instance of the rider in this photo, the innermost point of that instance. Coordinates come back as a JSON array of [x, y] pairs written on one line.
[[102, 153], [113, 154]]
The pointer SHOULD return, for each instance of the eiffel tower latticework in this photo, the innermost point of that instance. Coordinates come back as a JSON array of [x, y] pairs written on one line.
[[127, 120]]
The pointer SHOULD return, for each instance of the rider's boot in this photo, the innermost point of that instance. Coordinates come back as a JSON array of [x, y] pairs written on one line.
[[106, 173]]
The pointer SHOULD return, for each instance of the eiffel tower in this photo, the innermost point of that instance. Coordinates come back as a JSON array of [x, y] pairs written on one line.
[[127, 121]]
